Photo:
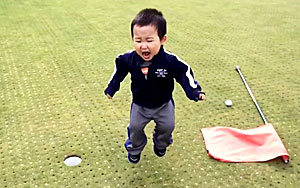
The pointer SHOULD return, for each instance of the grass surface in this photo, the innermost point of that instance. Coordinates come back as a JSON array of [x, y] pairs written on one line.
[[57, 56]]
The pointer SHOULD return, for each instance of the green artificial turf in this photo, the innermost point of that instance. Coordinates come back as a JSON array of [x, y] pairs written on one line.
[[56, 58]]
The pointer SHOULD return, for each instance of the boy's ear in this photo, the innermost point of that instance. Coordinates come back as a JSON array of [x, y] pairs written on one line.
[[163, 40]]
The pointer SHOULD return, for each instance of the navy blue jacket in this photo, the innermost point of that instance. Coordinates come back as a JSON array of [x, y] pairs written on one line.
[[155, 89]]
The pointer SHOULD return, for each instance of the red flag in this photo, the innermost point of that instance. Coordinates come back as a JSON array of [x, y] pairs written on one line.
[[253, 145]]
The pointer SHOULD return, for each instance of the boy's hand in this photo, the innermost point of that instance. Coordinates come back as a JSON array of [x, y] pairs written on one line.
[[201, 96], [108, 96]]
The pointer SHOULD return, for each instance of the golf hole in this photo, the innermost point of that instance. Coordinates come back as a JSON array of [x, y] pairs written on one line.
[[72, 160]]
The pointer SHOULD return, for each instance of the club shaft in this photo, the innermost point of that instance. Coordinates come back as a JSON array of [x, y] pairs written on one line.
[[251, 94]]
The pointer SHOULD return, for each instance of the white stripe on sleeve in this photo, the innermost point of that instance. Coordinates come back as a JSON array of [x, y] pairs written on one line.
[[112, 75], [188, 72]]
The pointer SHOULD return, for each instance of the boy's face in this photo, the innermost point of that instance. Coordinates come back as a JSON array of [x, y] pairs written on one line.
[[146, 41]]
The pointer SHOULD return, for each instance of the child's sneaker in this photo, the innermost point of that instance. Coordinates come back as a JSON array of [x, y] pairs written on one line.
[[134, 158], [160, 152]]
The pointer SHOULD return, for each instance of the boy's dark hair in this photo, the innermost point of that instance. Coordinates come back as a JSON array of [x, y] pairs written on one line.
[[150, 16]]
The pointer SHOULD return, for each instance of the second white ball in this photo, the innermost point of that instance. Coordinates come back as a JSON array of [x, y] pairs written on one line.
[[228, 103]]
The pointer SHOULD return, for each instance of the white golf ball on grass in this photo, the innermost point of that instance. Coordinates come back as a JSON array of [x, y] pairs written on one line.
[[228, 103]]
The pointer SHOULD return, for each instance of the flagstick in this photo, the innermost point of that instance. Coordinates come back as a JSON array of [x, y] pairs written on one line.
[[251, 94], [285, 158]]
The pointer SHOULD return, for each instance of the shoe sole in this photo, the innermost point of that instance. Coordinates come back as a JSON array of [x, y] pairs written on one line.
[[158, 153], [133, 161]]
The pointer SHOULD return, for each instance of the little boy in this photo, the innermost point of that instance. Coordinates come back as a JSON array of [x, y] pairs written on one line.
[[152, 70]]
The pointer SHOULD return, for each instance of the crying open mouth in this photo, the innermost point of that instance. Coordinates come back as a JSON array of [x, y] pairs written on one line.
[[146, 54]]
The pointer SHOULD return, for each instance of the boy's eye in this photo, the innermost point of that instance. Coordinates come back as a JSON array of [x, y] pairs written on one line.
[[138, 41], [149, 40]]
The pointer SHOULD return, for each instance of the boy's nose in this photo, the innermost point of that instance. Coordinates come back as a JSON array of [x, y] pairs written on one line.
[[144, 45]]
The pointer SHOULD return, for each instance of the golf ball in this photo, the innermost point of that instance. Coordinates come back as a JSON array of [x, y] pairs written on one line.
[[228, 103]]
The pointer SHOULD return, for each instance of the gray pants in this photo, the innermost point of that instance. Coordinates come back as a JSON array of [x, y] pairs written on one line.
[[164, 119]]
